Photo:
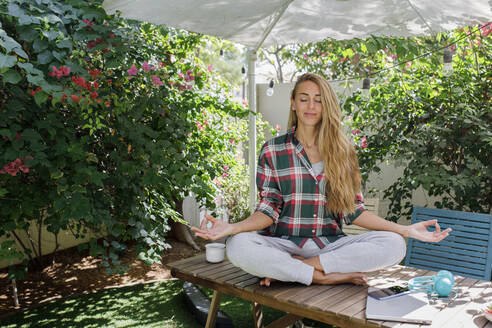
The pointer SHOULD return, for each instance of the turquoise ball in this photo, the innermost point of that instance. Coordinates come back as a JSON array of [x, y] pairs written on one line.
[[443, 286], [445, 274]]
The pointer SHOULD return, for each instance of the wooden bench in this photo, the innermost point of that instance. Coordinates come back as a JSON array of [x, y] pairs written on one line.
[[340, 305], [372, 205]]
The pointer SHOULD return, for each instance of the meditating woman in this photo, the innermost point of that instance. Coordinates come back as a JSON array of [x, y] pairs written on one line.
[[309, 184]]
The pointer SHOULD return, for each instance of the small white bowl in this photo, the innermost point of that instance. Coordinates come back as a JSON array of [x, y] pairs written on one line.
[[215, 252]]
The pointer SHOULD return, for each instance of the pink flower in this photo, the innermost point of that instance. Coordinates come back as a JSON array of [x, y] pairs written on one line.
[[24, 169], [245, 102], [189, 78], [344, 59], [157, 81], [209, 68], [76, 98], [18, 136], [185, 87], [232, 141], [58, 73], [88, 22], [181, 75], [216, 181], [199, 126], [133, 70], [13, 167], [95, 72], [277, 127], [323, 54], [306, 57], [218, 199], [355, 132], [363, 142], [146, 67], [225, 175], [65, 70], [226, 168]]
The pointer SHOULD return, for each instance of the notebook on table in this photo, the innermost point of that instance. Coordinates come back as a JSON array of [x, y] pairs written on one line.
[[413, 307]]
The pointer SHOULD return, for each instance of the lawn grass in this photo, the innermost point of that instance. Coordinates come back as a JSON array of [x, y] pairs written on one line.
[[159, 304]]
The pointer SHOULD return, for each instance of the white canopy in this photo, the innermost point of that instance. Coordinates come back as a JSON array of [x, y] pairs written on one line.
[[257, 23], [292, 21]]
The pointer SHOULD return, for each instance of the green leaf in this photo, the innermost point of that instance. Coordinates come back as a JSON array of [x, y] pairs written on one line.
[[40, 97], [3, 191], [35, 79], [10, 44], [6, 133], [31, 135], [27, 34], [45, 57], [56, 175], [40, 44], [7, 61], [64, 44], [12, 76], [28, 20], [59, 55]]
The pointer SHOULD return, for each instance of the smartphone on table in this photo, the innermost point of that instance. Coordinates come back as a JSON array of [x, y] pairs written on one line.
[[389, 292]]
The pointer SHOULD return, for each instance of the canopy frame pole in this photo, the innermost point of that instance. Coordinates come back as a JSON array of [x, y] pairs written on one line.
[[274, 22], [252, 56]]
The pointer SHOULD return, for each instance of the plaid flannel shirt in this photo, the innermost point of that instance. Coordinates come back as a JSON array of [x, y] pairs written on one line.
[[294, 197]]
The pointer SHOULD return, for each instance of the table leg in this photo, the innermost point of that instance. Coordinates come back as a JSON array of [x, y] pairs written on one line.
[[214, 308], [258, 315]]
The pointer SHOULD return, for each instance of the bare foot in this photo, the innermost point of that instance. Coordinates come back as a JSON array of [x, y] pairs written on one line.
[[266, 281], [357, 278], [312, 261]]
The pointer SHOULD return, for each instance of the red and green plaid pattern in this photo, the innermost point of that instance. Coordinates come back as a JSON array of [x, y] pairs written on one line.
[[294, 197]]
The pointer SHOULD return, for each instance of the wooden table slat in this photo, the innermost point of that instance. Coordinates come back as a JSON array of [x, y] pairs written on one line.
[[213, 270], [181, 264], [329, 293], [216, 276], [309, 292], [245, 276]]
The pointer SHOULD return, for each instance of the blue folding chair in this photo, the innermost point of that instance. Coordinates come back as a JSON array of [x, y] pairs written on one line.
[[467, 251]]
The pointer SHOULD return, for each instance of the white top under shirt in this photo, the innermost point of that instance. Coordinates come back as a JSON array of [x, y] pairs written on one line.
[[318, 167]]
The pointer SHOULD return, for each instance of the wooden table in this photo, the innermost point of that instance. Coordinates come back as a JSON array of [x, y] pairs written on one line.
[[340, 305]]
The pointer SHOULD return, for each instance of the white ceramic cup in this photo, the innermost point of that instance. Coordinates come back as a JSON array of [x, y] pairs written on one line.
[[215, 252]]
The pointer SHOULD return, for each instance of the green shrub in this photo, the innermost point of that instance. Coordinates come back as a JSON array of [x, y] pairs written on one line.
[[103, 126]]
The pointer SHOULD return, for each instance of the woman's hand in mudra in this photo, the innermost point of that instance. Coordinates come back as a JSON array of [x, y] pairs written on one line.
[[419, 231], [218, 230]]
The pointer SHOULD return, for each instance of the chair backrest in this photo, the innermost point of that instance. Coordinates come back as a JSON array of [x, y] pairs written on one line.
[[467, 251]]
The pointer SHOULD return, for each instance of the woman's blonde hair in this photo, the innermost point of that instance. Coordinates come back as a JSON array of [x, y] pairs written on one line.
[[341, 165]]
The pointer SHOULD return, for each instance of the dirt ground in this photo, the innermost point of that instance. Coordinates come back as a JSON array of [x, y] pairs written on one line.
[[74, 273]]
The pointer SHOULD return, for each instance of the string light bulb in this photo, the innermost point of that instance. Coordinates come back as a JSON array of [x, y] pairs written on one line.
[[270, 91], [366, 87], [447, 62], [221, 52], [243, 70]]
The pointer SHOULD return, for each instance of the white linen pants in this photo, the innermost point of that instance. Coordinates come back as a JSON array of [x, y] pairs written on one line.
[[265, 256]]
